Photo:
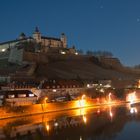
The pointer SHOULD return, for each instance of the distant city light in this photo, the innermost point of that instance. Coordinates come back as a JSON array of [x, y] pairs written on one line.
[[54, 90], [84, 119], [133, 110], [139, 84], [47, 127], [102, 90], [63, 52], [88, 85], [109, 96], [98, 111], [82, 102], [110, 113], [3, 50], [55, 124], [83, 96], [132, 97]]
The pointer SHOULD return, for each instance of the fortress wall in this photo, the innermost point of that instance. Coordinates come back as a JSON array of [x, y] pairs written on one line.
[[16, 55], [44, 58], [68, 57]]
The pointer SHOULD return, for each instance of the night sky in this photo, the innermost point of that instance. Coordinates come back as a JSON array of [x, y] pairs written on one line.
[[111, 25]]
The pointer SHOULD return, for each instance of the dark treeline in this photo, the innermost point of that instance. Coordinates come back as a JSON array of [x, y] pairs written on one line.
[[96, 53]]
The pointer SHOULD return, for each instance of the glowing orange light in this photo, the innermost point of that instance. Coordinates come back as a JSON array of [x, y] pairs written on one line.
[[47, 127], [139, 84], [133, 110], [98, 111], [83, 97], [84, 119], [109, 96], [81, 102], [110, 113], [136, 110]]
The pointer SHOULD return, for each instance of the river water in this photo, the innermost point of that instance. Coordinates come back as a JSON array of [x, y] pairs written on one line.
[[102, 123]]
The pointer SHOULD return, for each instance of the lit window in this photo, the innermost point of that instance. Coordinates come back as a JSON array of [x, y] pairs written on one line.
[[54, 90], [88, 85], [11, 96], [1, 96], [63, 52], [21, 95], [31, 95]]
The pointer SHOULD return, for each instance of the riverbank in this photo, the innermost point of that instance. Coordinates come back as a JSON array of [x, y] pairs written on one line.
[[10, 112]]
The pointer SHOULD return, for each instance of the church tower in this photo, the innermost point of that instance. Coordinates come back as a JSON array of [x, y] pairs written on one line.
[[64, 40], [37, 35]]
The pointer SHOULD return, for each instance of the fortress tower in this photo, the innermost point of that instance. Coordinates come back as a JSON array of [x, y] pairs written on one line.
[[64, 40], [37, 35]]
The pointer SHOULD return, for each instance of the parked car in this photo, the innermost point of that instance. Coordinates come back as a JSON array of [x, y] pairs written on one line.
[[60, 99]]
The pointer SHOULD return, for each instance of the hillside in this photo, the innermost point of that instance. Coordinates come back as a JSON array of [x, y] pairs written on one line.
[[57, 66], [83, 67]]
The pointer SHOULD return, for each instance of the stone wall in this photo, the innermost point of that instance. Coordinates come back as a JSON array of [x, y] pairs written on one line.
[[40, 108], [16, 55], [44, 57]]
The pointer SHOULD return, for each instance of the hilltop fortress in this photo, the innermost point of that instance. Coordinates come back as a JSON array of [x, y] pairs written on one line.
[[39, 57], [35, 48], [38, 38]]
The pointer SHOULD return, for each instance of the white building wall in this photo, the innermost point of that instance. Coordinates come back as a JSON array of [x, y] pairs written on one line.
[[21, 101], [7, 45], [16, 55]]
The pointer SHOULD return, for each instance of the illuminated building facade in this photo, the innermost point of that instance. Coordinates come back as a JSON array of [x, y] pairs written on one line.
[[37, 37]]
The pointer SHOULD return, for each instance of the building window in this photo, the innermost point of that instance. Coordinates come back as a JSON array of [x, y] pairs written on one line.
[[54, 90], [11, 96], [1, 96], [21, 95], [31, 95]]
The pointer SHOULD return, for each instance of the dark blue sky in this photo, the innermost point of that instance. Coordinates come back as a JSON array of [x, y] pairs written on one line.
[[112, 25]]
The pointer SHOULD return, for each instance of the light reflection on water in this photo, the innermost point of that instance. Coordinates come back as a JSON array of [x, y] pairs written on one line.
[[108, 122]]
